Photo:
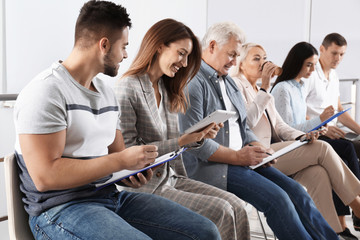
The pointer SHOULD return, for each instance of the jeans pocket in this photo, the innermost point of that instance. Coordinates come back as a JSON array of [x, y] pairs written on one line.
[[40, 234]]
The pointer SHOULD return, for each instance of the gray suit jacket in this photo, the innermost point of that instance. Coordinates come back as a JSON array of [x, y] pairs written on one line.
[[139, 117]]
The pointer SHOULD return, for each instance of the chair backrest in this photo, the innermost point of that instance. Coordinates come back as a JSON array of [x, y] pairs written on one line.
[[18, 219]]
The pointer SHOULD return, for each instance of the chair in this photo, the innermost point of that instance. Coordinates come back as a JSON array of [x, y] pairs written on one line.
[[17, 216], [254, 234]]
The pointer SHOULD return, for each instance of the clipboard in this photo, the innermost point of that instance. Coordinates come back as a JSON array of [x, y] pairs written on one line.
[[120, 175], [217, 116], [329, 119], [281, 152]]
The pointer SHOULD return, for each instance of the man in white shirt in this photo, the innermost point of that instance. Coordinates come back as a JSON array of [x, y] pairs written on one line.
[[322, 88]]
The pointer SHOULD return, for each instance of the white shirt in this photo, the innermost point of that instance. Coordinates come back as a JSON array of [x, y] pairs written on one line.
[[162, 111], [235, 140], [321, 92]]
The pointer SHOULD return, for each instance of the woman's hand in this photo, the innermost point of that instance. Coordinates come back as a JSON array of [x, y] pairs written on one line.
[[267, 72], [208, 132], [328, 112], [313, 135]]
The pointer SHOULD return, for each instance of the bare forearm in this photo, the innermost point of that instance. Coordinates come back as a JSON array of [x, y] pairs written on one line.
[[247, 156], [347, 121], [65, 173]]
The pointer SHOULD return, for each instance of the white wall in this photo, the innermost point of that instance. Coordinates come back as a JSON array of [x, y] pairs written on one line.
[[342, 17], [7, 140], [2, 47], [39, 32], [276, 25]]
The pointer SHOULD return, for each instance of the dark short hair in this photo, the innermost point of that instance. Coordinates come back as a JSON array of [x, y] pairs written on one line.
[[334, 38], [99, 19]]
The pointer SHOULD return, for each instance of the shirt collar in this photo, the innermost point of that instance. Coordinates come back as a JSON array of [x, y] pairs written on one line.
[[297, 84], [321, 74], [211, 72]]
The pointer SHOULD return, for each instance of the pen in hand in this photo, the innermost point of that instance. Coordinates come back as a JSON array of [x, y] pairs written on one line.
[[140, 141], [265, 152]]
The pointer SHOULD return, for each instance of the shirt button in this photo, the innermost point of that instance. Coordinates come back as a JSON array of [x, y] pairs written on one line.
[[158, 174], [224, 176], [227, 132]]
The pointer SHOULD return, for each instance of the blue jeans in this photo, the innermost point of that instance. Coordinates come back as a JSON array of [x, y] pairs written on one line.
[[122, 215], [289, 210]]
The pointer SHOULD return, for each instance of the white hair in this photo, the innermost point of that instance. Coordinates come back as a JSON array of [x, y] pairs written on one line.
[[221, 33], [241, 58]]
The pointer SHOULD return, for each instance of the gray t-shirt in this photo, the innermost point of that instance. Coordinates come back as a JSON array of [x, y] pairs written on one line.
[[54, 101]]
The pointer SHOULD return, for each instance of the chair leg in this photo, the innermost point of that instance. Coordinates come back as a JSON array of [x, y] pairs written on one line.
[[261, 224]]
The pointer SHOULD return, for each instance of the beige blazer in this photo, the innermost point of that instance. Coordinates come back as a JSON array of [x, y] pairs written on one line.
[[256, 103], [140, 117]]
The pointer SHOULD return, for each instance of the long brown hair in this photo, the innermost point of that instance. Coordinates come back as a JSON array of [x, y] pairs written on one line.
[[165, 32]]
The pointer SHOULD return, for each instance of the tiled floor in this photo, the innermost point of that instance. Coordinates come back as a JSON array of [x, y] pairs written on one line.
[[256, 232]]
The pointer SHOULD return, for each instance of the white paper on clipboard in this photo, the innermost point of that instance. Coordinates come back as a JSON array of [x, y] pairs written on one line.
[[281, 152], [117, 176]]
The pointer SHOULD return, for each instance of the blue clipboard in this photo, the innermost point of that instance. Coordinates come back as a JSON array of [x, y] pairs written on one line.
[[329, 119], [118, 176]]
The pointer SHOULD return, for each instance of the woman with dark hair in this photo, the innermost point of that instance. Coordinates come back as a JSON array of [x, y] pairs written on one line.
[[299, 63], [315, 165], [289, 95], [150, 95]]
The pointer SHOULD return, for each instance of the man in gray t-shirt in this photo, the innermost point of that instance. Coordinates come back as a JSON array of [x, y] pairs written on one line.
[[69, 139]]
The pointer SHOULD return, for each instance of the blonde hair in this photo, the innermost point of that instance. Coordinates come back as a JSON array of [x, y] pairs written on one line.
[[241, 58]]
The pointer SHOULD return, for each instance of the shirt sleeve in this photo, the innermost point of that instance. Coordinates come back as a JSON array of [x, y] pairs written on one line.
[[255, 108], [40, 109], [194, 114]]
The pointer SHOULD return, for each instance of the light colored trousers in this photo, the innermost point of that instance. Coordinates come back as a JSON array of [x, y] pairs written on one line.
[[223, 208], [318, 168]]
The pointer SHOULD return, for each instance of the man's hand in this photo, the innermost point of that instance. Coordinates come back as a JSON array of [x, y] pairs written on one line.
[[251, 155], [335, 132], [140, 178], [137, 157], [270, 151]]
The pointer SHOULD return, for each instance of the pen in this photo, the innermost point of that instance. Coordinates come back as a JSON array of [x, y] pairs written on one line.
[[140, 141], [265, 152]]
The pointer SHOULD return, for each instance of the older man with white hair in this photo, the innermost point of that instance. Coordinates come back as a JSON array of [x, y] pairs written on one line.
[[224, 161]]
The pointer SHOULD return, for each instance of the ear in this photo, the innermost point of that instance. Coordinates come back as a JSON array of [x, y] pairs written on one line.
[[212, 46], [160, 49], [104, 45], [322, 48], [240, 67]]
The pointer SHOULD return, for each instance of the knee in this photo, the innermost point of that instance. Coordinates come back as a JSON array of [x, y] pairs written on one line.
[[208, 231], [224, 212], [315, 179], [322, 146]]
